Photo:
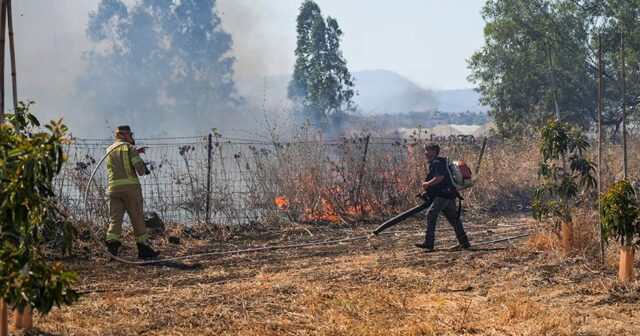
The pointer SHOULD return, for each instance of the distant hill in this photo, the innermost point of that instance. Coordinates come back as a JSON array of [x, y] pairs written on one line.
[[461, 100], [379, 92], [386, 92]]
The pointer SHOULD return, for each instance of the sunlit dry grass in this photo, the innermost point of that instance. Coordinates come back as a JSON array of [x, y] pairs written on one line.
[[382, 286]]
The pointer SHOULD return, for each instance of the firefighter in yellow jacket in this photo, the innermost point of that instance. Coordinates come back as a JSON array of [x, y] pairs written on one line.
[[125, 194]]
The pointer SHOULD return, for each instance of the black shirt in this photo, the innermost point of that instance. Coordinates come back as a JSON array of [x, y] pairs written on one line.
[[445, 189]]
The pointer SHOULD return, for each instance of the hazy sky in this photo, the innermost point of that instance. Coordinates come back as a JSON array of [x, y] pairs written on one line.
[[427, 41]]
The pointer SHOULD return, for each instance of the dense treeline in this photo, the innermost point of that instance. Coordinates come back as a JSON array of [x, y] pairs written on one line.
[[541, 52]]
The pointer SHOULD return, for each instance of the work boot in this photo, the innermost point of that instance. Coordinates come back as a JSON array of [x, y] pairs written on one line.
[[460, 246], [425, 246], [113, 246], [145, 252]]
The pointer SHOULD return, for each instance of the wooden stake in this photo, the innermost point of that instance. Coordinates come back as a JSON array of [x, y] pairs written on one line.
[[12, 52], [358, 197], [484, 145], [624, 108], [4, 319], [627, 254], [24, 319], [600, 87], [3, 24]]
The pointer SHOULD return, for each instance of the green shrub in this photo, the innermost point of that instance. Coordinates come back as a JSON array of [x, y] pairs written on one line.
[[564, 171], [619, 212], [29, 160]]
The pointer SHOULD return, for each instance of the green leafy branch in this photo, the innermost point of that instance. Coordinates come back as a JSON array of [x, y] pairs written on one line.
[[564, 172], [30, 158], [619, 211]]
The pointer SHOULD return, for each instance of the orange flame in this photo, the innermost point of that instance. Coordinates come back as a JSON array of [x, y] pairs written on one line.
[[329, 214], [325, 212], [281, 202]]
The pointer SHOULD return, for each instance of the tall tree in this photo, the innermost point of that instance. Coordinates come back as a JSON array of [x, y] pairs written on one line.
[[322, 87], [159, 59], [541, 52]]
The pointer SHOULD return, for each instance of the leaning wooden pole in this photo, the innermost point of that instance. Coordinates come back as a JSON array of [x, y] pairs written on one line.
[[12, 53], [624, 108], [3, 24], [600, 94], [4, 316]]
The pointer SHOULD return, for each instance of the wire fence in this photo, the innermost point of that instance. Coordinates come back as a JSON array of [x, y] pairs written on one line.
[[222, 181]]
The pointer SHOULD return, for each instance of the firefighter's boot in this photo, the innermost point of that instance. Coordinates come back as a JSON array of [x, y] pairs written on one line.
[[145, 252], [113, 246]]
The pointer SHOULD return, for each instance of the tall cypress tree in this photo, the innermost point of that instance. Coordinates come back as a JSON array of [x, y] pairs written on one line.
[[322, 87]]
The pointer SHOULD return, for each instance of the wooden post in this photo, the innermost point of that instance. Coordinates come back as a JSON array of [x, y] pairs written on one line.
[[627, 254], [3, 24], [600, 93], [12, 53], [361, 173], [4, 319], [24, 319], [208, 205], [484, 145], [624, 108]]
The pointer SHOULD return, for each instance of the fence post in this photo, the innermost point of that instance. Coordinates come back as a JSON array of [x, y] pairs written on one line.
[[364, 161], [484, 145], [209, 149]]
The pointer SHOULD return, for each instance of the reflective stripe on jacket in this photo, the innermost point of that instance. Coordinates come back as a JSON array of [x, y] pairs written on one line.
[[122, 164]]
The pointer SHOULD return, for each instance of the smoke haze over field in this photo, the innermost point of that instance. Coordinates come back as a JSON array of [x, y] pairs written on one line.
[[51, 39]]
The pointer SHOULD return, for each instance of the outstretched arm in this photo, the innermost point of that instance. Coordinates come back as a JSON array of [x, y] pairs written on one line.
[[136, 160]]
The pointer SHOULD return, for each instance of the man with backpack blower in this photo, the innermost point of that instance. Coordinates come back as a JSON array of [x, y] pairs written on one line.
[[442, 193]]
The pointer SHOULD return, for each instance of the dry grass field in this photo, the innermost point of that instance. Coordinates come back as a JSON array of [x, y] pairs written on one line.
[[379, 286]]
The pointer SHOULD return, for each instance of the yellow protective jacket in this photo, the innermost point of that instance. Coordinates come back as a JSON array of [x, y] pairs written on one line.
[[122, 164]]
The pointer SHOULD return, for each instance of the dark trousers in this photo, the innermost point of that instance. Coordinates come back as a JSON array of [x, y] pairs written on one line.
[[450, 212]]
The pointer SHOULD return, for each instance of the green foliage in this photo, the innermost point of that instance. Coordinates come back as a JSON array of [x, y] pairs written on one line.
[[619, 212], [29, 160], [559, 184], [534, 46], [321, 86]]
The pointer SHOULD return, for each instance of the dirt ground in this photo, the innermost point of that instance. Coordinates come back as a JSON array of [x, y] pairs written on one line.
[[379, 286]]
